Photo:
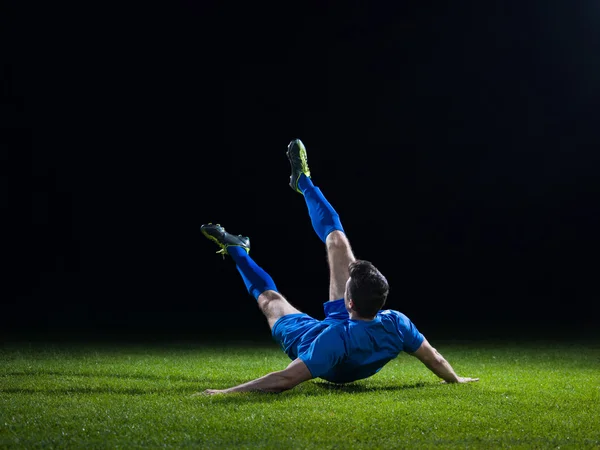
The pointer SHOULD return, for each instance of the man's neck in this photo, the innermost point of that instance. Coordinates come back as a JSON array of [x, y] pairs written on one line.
[[355, 316]]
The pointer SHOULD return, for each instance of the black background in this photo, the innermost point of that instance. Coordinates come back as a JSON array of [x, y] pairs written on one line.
[[458, 142]]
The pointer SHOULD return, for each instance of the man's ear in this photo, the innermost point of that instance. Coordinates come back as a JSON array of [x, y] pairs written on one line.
[[351, 304]]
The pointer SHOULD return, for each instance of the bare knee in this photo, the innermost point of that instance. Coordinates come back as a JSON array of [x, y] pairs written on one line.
[[337, 240], [339, 250], [274, 305], [267, 298]]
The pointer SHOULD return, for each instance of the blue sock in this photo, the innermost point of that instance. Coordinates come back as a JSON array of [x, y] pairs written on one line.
[[322, 215], [256, 279]]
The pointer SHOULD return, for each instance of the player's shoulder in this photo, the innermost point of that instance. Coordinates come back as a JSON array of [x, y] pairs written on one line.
[[392, 314]]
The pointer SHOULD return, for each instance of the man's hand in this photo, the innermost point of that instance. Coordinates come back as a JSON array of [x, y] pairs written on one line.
[[462, 380], [213, 392], [210, 392], [207, 392]]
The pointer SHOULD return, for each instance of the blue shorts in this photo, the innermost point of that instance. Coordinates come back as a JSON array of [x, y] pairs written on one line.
[[295, 332]]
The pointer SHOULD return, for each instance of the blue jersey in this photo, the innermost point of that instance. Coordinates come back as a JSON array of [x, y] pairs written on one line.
[[340, 349]]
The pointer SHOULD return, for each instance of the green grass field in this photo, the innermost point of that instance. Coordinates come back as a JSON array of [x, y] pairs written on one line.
[[140, 396]]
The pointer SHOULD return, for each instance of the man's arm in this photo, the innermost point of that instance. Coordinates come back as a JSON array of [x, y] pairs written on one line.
[[438, 364], [279, 381]]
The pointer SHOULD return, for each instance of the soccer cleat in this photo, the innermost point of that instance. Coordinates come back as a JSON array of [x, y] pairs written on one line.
[[223, 239], [296, 153]]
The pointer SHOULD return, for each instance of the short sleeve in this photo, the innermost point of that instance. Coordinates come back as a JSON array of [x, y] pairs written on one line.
[[336, 309], [325, 352], [412, 337]]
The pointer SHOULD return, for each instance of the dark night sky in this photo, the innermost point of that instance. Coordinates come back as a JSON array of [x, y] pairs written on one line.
[[459, 143]]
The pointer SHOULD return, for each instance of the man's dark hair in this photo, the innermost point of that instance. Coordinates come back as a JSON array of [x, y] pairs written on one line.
[[368, 288]]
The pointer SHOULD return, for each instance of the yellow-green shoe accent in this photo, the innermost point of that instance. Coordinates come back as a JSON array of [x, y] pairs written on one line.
[[296, 153]]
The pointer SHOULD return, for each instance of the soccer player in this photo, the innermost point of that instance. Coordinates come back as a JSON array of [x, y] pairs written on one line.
[[356, 338]]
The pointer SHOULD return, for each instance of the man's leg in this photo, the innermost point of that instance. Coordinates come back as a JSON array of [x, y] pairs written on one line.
[[327, 225], [339, 257], [258, 282], [261, 286], [325, 221]]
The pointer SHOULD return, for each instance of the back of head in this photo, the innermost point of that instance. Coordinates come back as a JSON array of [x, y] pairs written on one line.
[[367, 288]]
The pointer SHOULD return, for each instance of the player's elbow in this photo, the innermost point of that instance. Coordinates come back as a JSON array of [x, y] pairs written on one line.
[[432, 358], [438, 359]]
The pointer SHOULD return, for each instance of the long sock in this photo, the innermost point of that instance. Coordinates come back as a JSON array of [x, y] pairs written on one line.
[[322, 215], [255, 278]]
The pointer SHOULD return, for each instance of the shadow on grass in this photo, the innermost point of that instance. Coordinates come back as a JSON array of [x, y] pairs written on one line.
[[358, 388]]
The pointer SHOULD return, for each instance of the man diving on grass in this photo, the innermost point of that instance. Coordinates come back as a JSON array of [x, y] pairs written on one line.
[[357, 337]]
